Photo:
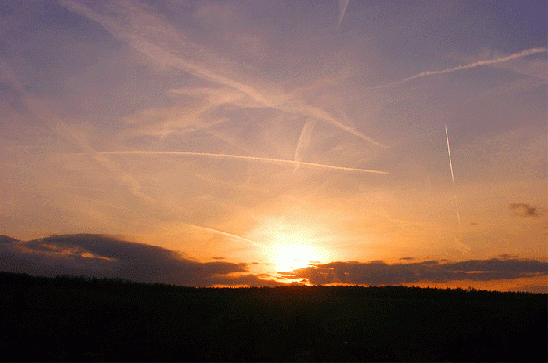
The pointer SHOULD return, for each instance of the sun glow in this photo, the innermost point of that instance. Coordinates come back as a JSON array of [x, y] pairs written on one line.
[[290, 246], [294, 255]]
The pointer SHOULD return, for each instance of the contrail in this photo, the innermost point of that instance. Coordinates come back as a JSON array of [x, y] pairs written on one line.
[[449, 154], [242, 157], [452, 176], [223, 233], [468, 66], [304, 140], [342, 9]]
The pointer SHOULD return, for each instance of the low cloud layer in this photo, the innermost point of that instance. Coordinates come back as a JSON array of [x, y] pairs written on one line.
[[102, 256], [380, 273], [107, 257]]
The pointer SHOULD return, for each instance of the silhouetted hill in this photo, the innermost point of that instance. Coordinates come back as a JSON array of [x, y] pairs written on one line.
[[74, 318]]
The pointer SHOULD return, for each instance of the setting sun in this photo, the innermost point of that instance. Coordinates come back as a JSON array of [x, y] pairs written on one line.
[[288, 245], [293, 255]]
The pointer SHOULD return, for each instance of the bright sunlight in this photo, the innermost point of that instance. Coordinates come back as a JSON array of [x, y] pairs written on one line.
[[290, 246]]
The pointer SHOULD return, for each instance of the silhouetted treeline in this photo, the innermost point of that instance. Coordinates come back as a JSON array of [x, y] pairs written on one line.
[[78, 318]]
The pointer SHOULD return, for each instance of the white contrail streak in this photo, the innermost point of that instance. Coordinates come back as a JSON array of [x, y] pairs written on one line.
[[241, 157], [468, 66], [342, 9], [223, 233], [452, 175], [449, 154], [304, 140]]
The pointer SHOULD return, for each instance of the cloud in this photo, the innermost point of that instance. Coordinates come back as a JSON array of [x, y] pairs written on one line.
[[537, 289], [243, 280], [7, 239], [102, 256], [380, 273], [166, 46], [524, 210], [107, 257], [178, 120], [26, 102]]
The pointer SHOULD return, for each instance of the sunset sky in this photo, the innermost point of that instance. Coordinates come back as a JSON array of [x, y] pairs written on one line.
[[266, 142]]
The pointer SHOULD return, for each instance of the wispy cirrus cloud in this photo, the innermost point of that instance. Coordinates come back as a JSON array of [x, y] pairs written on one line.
[[35, 107], [164, 45]]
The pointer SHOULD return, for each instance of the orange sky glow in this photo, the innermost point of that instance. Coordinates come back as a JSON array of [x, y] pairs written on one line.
[[242, 143]]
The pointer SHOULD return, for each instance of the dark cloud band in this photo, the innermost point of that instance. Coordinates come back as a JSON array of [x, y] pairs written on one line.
[[380, 273], [103, 256]]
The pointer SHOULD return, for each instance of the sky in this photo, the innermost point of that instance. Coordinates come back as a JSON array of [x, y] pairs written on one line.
[[244, 143]]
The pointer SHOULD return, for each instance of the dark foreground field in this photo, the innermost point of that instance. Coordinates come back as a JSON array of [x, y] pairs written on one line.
[[77, 319]]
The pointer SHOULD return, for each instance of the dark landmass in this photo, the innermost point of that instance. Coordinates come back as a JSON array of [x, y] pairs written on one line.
[[80, 319]]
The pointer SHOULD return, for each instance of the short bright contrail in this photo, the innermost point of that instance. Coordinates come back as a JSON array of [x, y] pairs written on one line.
[[304, 140], [471, 65], [242, 157], [449, 154], [452, 175], [342, 9], [223, 233]]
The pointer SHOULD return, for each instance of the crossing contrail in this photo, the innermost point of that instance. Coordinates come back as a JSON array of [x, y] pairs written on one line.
[[468, 66], [242, 157], [452, 175]]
